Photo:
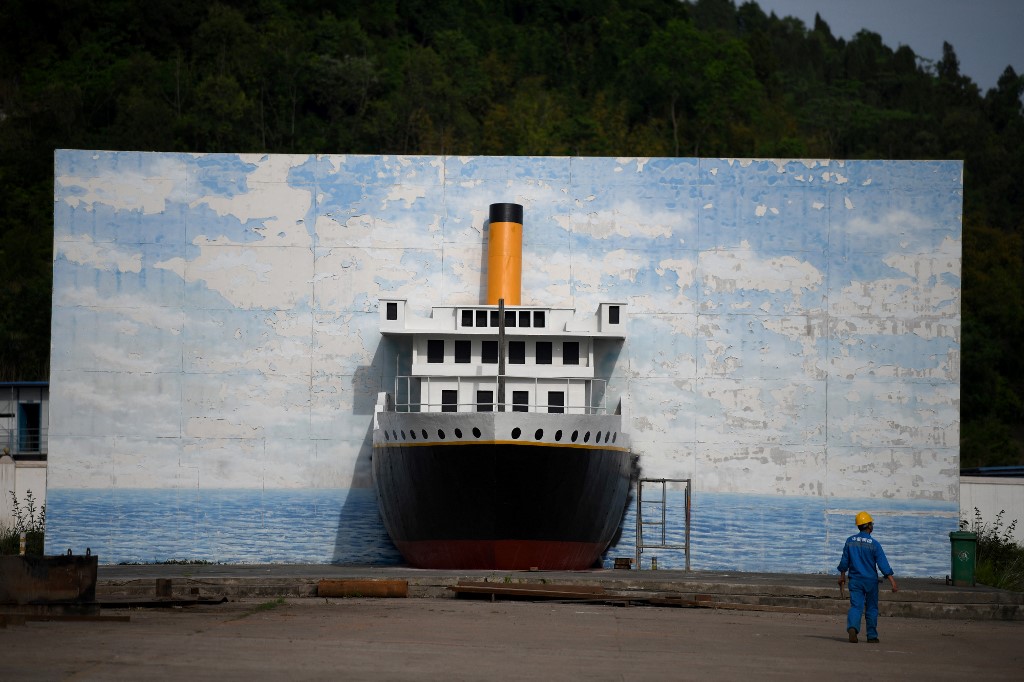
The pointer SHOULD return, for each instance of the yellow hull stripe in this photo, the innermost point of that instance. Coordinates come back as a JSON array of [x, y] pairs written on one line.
[[445, 443]]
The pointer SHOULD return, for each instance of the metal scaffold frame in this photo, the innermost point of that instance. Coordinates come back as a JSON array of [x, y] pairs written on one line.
[[641, 545]]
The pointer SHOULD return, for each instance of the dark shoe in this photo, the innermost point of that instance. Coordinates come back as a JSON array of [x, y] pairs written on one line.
[[872, 640], [852, 632]]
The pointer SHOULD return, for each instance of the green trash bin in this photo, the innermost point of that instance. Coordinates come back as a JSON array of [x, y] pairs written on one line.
[[963, 548]]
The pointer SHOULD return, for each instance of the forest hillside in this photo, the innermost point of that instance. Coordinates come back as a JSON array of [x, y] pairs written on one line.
[[506, 77]]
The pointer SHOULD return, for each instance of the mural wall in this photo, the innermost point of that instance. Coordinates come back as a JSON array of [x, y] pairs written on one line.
[[793, 345]]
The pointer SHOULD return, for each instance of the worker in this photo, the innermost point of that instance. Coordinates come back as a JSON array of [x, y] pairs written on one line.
[[863, 558]]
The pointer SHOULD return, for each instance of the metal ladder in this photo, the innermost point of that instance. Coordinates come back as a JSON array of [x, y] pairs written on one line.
[[662, 502]]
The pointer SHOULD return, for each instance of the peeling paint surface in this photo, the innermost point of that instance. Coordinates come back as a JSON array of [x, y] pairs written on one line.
[[795, 337]]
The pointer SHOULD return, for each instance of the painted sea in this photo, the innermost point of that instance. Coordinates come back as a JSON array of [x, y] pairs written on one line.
[[729, 532]]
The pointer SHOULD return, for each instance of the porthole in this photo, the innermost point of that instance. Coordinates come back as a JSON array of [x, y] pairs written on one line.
[[412, 434], [539, 434], [586, 437], [476, 432], [424, 432], [395, 435], [386, 436], [516, 433], [440, 434], [575, 435], [403, 434], [614, 436], [606, 435], [558, 435], [458, 433], [598, 439]]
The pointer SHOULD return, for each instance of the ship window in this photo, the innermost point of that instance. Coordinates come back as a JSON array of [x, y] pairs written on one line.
[[558, 435], [484, 401], [510, 318], [481, 318], [613, 314], [575, 435], [386, 436], [556, 402], [586, 437], [412, 434], [615, 436], [543, 352], [516, 432], [538, 318], [395, 435], [476, 432], [606, 434], [463, 351], [467, 318], [392, 310], [598, 439], [489, 352], [435, 350], [449, 401], [517, 352], [524, 318], [424, 432], [571, 353], [440, 434], [494, 318], [458, 433], [539, 434], [520, 399], [403, 434]]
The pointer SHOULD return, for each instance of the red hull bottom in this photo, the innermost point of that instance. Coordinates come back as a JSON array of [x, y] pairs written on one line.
[[509, 555]]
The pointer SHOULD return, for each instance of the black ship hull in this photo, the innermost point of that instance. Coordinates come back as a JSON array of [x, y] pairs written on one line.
[[501, 490]]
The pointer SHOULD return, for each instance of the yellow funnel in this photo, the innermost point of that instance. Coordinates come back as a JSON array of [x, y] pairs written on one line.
[[505, 254]]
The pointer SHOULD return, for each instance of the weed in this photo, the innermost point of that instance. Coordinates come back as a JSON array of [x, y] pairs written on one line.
[[1000, 560], [27, 520]]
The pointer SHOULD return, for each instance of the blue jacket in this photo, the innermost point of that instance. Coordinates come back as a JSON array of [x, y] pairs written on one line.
[[860, 556]]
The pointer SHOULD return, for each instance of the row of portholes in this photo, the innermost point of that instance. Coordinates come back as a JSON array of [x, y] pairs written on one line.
[[516, 434]]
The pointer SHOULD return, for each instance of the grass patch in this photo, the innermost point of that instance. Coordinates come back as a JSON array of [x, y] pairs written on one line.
[[1000, 560], [259, 608], [171, 562], [268, 605]]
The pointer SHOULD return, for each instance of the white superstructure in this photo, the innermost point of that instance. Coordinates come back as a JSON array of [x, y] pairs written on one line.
[[548, 358]]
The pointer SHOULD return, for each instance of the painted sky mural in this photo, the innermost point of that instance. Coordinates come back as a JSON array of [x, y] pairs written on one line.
[[793, 345]]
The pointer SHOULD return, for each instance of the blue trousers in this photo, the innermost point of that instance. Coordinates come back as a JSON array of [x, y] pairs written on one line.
[[863, 600]]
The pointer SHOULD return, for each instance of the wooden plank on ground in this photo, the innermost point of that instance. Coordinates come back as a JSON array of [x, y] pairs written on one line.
[[530, 590]]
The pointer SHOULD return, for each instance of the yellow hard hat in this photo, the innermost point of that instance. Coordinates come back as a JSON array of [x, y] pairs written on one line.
[[863, 518]]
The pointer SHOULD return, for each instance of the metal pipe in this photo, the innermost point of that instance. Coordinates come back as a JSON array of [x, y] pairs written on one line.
[[501, 355]]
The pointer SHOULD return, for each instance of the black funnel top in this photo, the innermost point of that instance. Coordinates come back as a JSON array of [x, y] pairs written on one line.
[[506, 213]]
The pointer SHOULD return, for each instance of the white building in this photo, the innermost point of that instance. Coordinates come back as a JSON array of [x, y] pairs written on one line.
[[24, 423]]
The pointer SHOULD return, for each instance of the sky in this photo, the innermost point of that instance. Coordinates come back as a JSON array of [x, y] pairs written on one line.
[[987, 35]]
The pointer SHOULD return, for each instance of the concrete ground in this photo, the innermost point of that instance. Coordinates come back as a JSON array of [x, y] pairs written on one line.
[[460, 639]]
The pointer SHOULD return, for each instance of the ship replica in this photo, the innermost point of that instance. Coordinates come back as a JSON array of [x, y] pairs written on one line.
[[498, 450]]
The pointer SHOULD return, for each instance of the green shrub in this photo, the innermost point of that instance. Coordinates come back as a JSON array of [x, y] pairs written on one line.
[[1000, 560], [27, 520]]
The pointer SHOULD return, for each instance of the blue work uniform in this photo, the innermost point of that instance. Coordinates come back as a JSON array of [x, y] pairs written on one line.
[[861, 555]]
